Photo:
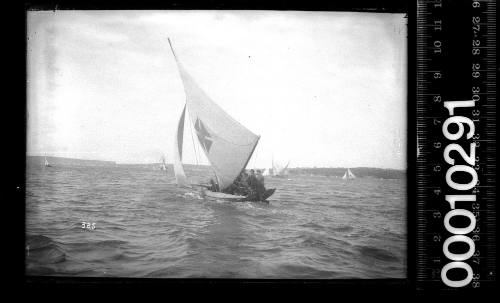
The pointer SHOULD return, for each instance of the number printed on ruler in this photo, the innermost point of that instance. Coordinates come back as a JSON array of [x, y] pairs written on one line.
[[457, 147], [464, 126]]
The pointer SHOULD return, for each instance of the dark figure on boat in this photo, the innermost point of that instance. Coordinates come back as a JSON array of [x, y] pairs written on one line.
[[250, 186], [213, 186], [252, 180], [239, 186], [257, 188]]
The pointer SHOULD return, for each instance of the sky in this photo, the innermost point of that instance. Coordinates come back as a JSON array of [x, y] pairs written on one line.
[[324, 89]]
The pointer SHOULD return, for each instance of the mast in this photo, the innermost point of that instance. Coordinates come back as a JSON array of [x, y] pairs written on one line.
[[250, 156], [172, 48]]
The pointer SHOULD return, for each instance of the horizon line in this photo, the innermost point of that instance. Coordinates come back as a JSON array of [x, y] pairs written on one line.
[[155, 163]]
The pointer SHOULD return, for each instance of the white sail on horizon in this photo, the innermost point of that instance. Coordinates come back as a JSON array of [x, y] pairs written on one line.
[[163, 164], [280, 170], [348, 174]]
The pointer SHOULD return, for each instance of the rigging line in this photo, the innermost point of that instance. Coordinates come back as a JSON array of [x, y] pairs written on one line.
[[194, 145], [170, 43], [251, 160], [192, 139], [255, 157]]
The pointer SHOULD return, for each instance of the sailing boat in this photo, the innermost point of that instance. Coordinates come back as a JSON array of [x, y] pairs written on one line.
[[227, 144], [163, 165], [47, 163], [348, 175], [279, 170]]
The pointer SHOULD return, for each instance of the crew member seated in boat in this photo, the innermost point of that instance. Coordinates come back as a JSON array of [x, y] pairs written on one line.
[[242, 187], [232, 189], [255, 185], [239, 186]]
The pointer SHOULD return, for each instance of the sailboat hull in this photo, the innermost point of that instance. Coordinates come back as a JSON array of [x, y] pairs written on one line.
[[221, 196], [268, 193], [208, 194]]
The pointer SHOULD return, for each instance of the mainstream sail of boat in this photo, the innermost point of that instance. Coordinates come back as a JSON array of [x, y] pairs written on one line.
[[227, 144]]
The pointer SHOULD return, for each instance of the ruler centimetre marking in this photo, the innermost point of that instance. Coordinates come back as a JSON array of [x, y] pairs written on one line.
[[456, 144]]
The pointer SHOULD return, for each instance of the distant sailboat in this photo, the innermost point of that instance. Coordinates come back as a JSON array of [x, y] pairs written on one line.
[[227, 144], [47, 164], [348, 175], [279, 170], [163, 165]]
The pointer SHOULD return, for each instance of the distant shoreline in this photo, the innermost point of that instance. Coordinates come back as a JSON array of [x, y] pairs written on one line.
[[384, 173], [35, 160]]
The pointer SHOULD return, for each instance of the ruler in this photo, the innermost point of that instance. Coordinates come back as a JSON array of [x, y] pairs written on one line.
[[456, 147]]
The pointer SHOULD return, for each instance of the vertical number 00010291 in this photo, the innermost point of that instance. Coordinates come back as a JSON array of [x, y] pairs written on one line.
[[456, 168]]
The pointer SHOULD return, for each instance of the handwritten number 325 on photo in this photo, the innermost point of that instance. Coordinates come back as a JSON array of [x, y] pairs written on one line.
[[88, 225]]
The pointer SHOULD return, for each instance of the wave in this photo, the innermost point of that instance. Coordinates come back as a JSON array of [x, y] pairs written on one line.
[[110, 243], [312, 227], [43, 250], [315, 242], [38, 241], [377, 253], [327, 228], [171, 271], [342, 229], [290, 271]]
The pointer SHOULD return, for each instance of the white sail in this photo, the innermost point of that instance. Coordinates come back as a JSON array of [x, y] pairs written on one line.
[[285, 170], [350, 174], [227, 144], [276, 169], [180, 176], [46, 162], [279, 170], [163, 165]]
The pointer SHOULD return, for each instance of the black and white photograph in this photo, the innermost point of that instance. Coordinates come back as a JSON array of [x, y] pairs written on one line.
[[239, 144]]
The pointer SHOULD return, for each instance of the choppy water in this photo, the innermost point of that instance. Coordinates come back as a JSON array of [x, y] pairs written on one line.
[[314, 227]]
